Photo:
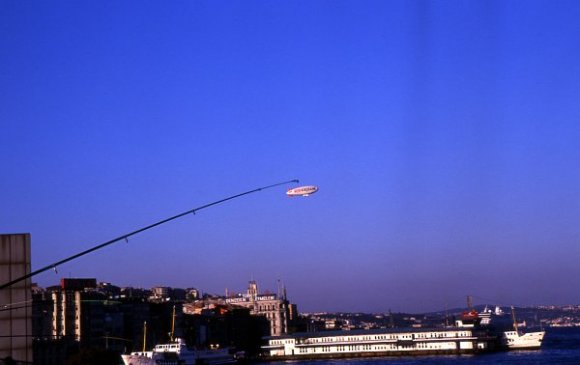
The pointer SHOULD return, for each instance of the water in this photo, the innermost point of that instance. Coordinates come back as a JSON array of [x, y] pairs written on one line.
[[561, 346]]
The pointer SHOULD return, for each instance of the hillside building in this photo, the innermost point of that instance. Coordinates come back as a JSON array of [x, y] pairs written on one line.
[[275, 308]]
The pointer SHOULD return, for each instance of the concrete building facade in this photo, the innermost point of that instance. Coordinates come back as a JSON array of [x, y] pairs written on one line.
[[67, 309], [15, 300]]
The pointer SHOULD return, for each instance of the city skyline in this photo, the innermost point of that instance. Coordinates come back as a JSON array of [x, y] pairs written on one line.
[[443, 137]]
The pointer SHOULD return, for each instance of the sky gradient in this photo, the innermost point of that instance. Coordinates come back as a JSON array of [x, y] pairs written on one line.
[[444, 137]]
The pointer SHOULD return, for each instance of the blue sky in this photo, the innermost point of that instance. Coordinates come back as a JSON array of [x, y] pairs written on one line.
[[444, 137]]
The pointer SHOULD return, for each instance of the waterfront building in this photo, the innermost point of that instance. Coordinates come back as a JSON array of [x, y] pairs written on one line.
[[275, 308]]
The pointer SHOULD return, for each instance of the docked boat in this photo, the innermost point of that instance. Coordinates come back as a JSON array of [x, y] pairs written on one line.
[[377, 343], [472, 333], [177, 353], [165, 354]]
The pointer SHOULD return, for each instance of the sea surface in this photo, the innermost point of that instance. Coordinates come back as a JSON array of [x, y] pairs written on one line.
[[561, 346]]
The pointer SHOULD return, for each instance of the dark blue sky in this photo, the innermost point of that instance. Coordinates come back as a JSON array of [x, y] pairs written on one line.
[[444, 137]]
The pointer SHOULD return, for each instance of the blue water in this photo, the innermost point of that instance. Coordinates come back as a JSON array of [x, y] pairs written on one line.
[[561, 346]]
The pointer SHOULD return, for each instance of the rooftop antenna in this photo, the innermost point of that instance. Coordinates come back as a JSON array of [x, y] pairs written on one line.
[[279, 291]]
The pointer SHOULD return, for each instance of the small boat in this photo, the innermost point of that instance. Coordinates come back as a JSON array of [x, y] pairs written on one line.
[[177, 353], [166, 354], [516, 339]]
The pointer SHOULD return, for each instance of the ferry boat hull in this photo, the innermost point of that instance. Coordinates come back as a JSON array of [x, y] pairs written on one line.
[[137, 359], [516, 341], [378, 343]]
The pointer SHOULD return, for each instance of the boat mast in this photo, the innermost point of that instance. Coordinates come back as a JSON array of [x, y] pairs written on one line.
[[172, 324], [514, 320], [144, 335]]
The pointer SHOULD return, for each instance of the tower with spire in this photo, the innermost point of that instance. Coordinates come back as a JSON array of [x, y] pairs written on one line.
[[274, 307]]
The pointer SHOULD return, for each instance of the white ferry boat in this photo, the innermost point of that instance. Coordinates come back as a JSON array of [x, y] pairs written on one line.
[[511, 336], [379, 342], [515, 340], [165, 354], [178, 353]]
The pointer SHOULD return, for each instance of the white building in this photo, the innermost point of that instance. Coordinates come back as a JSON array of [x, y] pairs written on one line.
[[274, 307]]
